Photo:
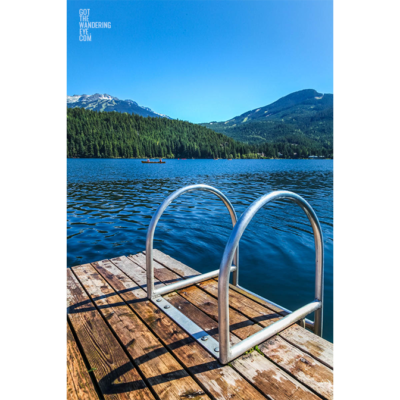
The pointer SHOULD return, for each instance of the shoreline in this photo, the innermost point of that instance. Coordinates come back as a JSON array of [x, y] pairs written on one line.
[[192, 159]]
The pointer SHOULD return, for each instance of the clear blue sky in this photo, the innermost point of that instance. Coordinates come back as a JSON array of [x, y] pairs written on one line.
[[201, 61]]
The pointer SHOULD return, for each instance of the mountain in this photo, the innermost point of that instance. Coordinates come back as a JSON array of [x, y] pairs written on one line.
[[301, 118], [105, 102]]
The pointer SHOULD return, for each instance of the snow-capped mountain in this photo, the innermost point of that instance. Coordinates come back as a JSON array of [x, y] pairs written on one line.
[[106, 102]]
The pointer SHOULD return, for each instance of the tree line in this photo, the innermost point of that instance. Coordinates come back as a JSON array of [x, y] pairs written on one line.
[[92, 134]]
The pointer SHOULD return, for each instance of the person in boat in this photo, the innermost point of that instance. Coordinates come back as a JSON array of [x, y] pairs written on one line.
[[148, 160], [160, 160]]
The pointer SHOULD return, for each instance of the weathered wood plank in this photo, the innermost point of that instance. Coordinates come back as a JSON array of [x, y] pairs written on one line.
[[260, 312], [79, 383], [179, 268], [220, 382], [265, 303], [259, 371], [270, 379], [116, 376], [305, 368], [164, 374], [246, 306], [319, 348]]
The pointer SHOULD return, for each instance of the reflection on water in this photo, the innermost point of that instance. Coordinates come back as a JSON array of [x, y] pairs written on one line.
[[111, 202]]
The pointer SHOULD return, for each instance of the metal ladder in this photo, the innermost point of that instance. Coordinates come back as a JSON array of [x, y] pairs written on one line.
[[230, 263]]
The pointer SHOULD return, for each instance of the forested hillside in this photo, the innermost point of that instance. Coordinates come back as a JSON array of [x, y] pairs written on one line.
[[301, 118], [113, 135]]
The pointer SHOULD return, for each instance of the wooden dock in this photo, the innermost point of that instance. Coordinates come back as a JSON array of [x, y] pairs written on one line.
[[121, 346]]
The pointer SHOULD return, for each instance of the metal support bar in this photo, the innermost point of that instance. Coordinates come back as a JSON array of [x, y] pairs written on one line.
[[202, 337], [246, 344], [157, 215], [187, 282], [223, 280]]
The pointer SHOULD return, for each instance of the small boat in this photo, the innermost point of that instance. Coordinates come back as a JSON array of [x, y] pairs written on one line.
[[153, 162]]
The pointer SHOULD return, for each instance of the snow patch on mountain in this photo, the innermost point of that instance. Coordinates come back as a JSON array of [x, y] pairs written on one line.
[[106, 102]]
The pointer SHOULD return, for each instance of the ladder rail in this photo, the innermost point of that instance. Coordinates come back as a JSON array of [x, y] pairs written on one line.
[[228, 353], [151, 291]]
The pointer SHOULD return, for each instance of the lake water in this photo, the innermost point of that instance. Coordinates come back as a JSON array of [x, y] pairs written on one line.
[[111, 202]]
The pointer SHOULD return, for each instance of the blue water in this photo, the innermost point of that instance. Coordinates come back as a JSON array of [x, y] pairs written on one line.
[[111, 202]]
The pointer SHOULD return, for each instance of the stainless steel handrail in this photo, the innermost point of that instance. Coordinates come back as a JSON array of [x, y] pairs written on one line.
[[228, 353], [151, 292]]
